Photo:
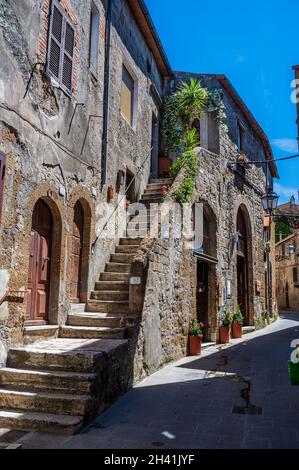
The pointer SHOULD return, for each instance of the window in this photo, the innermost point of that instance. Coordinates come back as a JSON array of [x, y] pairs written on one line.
[[127, 96], [61, 47], [94, 39], [2, 177], [295, 275], [241, 137]]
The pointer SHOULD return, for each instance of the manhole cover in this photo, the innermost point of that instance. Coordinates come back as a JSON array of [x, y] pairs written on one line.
[[251, 410]]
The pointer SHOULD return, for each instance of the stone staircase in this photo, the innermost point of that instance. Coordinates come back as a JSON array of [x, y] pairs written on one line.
[[61, 384]]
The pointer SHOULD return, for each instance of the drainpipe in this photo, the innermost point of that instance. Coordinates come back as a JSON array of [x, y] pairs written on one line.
[[106, 99]]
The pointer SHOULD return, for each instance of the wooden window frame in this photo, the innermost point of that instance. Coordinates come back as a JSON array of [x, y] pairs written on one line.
[[61, 45], [241, 136], [132, 124], [94, 67]]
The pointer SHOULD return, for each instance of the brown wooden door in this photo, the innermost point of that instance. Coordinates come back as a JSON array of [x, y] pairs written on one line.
[[243, 288], [39, 264], [76, 253], [203, 297]]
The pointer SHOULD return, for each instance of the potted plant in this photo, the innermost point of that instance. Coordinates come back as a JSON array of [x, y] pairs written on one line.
[[195, 337], [238, 323], [226, 322]]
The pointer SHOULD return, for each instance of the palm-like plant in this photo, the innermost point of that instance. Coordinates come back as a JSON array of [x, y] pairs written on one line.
[[192, 98], [191, 139]]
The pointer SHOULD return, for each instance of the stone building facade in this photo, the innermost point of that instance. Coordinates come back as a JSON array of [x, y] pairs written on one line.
[[51, 132], [287, 263], [81, 91]]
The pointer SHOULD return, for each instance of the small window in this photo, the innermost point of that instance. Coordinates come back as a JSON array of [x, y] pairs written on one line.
[[127, 96], [2, 179], [295, 275], [94, 39], [61, 47], [241, 137]]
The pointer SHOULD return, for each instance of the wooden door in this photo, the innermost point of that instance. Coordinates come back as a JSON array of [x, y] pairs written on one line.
[[243, 300], [2, 176], [39, 264], [76, 253], [202, 297]]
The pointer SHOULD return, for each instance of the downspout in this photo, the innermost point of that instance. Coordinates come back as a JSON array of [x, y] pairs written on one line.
[[106, 98]]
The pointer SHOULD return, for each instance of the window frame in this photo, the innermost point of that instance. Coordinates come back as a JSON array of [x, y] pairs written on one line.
[[94, 10], [132, 124], [241, 136], [61, 45]]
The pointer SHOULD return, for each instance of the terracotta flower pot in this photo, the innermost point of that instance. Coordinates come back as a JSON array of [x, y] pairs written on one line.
[[195, 343], [237, 330], [110, 193], [224, 334], [164, 166]]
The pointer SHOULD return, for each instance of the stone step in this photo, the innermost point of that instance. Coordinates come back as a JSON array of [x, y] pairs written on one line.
[[108, 307], [130, 241], [153, 192], [42, 402], [114, 277], [40, 422], [161, 181], [97, 320], [91, 332], [110, 295], [127, 249], [117, 268], [122, 258], [112, 286], [38, 333], [71, 382], [67, 355], [151, 198], [77, 308]]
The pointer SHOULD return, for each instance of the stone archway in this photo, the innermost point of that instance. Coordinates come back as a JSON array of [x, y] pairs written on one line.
[[244, 265], [44, 263], [79, 251]]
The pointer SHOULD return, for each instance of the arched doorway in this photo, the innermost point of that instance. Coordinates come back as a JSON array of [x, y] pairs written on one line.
[[243, 281], [206, 276], [40, 264], [76, 253]]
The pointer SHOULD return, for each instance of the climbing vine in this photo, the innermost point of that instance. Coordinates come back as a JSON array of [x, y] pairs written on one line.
[[185, 193]]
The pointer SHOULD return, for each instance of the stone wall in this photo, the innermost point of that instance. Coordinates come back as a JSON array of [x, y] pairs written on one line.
[[287, 287], [53, 143]]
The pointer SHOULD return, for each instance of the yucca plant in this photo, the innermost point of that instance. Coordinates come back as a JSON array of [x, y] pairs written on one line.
[[191, 139], [191, 99]]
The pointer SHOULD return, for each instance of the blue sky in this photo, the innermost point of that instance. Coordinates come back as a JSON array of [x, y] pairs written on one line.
[[255, 43]]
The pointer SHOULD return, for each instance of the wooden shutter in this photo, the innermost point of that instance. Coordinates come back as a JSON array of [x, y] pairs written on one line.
[[55, 41], [68, 56], [295, 275], [94, 38], [2, 179], [61, 47], [127, 95]]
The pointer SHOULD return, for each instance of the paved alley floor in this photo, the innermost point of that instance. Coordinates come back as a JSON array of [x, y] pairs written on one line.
[[191, 403]]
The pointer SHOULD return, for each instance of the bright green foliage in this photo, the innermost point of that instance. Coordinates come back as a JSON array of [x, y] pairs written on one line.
[[282, 228], [196, 328], [170, 130], [238, 316], [191, 139], [192, 98], [185, 193], [227, 317]]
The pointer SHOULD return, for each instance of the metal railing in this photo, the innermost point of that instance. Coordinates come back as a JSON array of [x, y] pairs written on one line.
[[93, 246]]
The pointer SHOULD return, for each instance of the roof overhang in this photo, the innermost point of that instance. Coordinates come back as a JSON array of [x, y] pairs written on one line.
[[146, 25], [252, 121]]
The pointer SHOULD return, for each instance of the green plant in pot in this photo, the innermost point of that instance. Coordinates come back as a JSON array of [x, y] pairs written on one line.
[[195, 337], [238, 323], [226, 322]]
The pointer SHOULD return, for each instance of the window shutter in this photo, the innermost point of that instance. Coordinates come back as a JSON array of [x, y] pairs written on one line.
[[61, 47], [2, 178], [68, 56], [94, 38], [127, 96], [55, 42], [295, 275]]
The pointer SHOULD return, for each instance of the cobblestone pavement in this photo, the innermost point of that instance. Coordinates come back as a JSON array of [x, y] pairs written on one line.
[[190, 404]]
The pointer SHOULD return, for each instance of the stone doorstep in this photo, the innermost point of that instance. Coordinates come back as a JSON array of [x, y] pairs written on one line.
[[248, 329], [42, 330]]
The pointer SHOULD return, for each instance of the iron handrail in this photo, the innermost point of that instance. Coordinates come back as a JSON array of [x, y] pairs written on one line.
[[120, 201]]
